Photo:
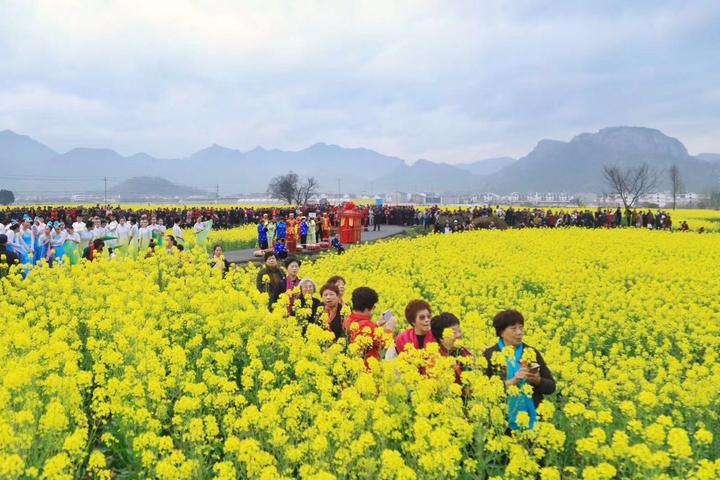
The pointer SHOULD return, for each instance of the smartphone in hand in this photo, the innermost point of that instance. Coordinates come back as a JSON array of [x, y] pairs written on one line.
[[388, 319]]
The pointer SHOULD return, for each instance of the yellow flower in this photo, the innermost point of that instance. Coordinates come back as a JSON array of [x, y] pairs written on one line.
[[679, 443], [704, 437], [191, 375], [523, 419]]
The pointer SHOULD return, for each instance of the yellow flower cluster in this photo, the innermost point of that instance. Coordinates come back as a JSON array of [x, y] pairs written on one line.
[[237, 238], [161, 367]]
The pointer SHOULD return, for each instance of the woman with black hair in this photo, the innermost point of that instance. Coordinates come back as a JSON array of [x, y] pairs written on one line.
[[271, 279], [360, 323], [218, 260], [292, 264], [518, 364], [340, 283], [445, 328], [94, 250], [332, 313]]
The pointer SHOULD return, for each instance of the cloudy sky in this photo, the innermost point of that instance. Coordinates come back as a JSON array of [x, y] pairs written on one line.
[[453, 81]]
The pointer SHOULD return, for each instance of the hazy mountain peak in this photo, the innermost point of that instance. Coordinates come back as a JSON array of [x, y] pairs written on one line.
[[141, 155], [422, 162], [16, 144], [215, 150], [92, 151], [635, 139], [547, 145], [151, 186], [322, 147]]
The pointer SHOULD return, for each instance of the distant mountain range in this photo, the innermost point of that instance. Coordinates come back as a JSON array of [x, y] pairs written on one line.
[[573, 166], [142, 187]]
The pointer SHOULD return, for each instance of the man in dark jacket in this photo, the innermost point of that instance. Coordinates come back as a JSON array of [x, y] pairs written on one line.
[[271, 279], [7, 258]]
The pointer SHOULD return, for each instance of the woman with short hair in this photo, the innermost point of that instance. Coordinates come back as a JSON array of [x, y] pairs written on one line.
[[446, 330], [360, 324], [340, 282], [518, 364], [419, 315], [307, 306], [271, 279], [332, 316]]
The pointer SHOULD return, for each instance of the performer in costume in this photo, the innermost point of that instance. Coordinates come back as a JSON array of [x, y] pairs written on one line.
[[57, 242], [112, 232], [71, 246], [27, 241], [325, 227], [42, 244], [178, 233], [123, 232], [262, 235], [303, 231], [291, 233], [311, 234], [271, 227], [280, 230], [145, 234]]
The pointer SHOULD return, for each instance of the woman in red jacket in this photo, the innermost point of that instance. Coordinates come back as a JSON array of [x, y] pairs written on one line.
[[418, 314], [359, 324]]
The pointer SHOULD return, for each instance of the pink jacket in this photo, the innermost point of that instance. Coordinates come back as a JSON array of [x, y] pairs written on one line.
[[408, 336]]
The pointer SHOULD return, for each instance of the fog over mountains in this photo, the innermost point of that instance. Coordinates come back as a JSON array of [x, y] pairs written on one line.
[[552, 166]]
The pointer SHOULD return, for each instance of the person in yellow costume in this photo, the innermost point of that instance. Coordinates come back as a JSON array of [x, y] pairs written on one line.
[[292, 233]]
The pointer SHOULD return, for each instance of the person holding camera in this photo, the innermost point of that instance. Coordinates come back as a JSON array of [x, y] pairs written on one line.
[[360, 324], [518, 364]]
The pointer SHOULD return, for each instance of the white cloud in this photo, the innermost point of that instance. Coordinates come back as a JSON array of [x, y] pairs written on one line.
[[448, 81]]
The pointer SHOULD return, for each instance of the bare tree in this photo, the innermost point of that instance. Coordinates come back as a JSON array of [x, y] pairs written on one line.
[[676, 183], [307, 189], [630, 183], [285, 187]]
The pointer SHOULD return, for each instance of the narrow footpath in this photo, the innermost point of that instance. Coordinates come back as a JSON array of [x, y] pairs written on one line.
[[386, 231]]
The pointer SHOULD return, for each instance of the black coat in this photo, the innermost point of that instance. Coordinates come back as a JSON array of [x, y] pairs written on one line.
[[274, 292], [547, 382], [11, 258]]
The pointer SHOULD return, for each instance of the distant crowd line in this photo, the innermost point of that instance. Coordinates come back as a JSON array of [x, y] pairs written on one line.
[[33, 233]]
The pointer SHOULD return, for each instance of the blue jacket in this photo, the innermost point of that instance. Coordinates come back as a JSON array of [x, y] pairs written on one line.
[[280, 229], [303, 228], [262, 232]]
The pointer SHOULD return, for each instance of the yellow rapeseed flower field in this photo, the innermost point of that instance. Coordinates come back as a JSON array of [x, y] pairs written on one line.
[[237, 238], [161, 367]]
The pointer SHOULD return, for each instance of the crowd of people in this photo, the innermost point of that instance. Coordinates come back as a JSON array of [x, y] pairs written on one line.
[[356, 321], [222, 217], [32, 239], [449, 221], [35, 233]]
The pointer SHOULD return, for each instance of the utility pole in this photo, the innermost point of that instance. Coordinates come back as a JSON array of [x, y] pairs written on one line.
[[339, 191], [105, 180], [217, 192]]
